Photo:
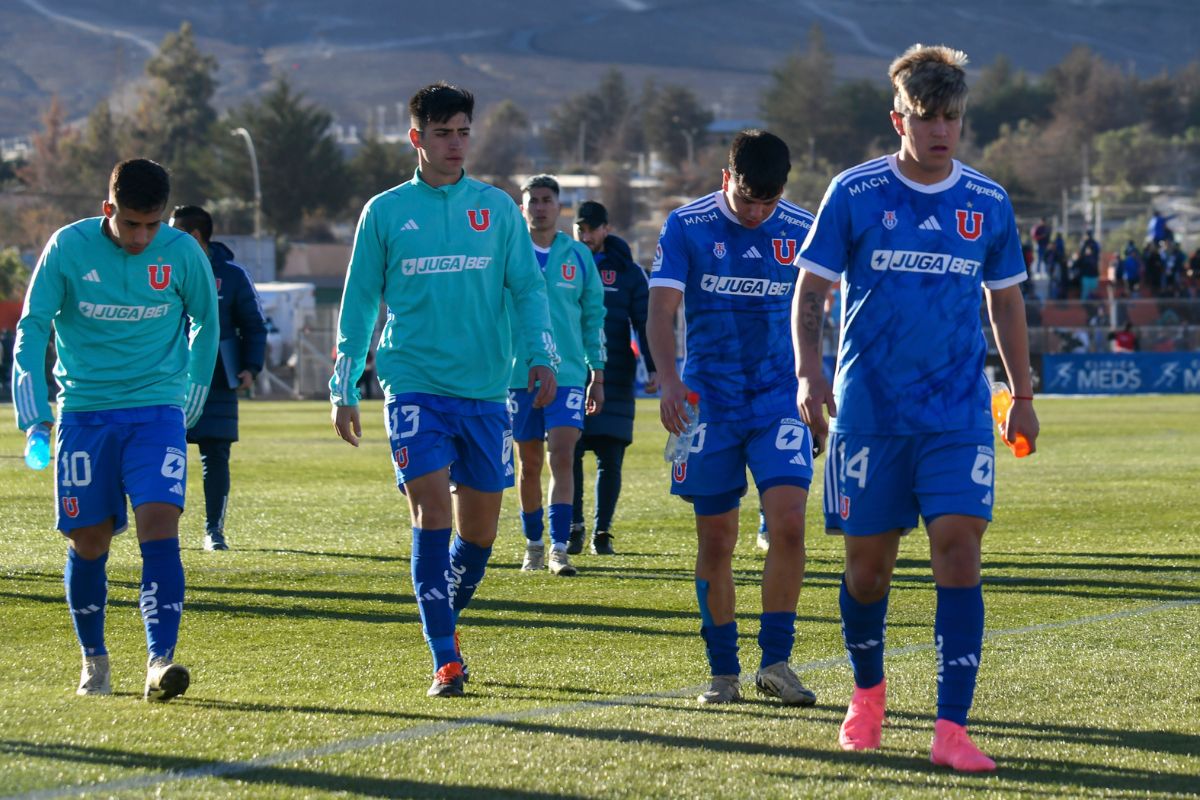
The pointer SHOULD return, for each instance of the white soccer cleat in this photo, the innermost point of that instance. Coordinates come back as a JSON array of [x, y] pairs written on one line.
[[723, 689], [560, 564], [165, 679], [96, 678], [778, 680], [535, 557]]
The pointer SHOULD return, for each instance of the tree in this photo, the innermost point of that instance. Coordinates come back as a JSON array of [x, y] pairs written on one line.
[[173, 122], [46, 172], [14, 274], [378, 166], [500, 151], [593, 125], [91, 156], [1092, 95], [675, 124], [1002, 95], [301, 168], [796, 104]]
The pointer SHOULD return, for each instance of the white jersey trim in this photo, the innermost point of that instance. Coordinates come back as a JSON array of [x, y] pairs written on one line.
[[817, 269], [669, 283], [1004, 283], [932, 188]]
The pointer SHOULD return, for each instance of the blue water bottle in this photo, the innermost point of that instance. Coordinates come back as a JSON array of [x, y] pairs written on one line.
[[680, 445], [37, 447]]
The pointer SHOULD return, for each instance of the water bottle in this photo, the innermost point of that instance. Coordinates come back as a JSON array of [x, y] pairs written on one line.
[[37, 447], [679, 445], [1001, 402]]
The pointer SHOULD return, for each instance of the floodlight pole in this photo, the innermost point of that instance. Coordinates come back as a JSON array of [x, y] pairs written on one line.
[[245, 134]]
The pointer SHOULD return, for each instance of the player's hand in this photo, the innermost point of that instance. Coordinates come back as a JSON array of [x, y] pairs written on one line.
[[245, 379], [595, 398], [346, 423], [1022, 419], [672, 406], [542, 378], [813, 396], [651, 385]]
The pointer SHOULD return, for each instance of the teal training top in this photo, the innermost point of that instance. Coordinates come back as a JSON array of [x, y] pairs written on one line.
[[120, 325], [576, 299], [441, 258]]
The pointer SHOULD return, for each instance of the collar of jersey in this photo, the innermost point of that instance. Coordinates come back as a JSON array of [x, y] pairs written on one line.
[[927, 188], [448, 189], [723, 204]]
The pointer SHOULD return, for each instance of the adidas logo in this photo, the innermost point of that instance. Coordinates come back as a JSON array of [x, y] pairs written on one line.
[[752, 253], [92, 277], [798, 460], [176, 607], [968, 660], [411, 225], [867, 645], [433, 594], [83, 612], [987, 499], [930, 224], [177, 489]]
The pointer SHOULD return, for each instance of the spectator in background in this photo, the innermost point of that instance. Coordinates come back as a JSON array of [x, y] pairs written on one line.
[[1089, 253], [608, 433], [1152, 270], [239, 360], [1055, 264], [1157, 229], [1174, 269], [1124, 340], [1194, 274], [1130, 274], [1041, 241]]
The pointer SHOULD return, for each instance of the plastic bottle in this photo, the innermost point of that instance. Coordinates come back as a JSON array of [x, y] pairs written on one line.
[[1001, 402], [679, 445], [37, 447]]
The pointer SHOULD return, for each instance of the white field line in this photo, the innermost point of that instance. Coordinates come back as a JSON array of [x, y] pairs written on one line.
[[224, 769]]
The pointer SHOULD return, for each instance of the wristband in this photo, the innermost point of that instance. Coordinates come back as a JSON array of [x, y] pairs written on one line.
[[1022, 397]]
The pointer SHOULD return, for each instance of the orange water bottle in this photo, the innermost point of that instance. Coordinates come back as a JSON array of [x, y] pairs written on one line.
[[1002, 401]]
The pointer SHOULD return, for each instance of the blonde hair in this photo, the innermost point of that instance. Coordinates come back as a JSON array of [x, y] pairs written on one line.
[[928, 80]]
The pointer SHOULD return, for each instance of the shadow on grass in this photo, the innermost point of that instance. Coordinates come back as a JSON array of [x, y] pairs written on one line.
[[200, 769]]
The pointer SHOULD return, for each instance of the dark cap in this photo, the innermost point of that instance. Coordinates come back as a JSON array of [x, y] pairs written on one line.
[[592, 214]]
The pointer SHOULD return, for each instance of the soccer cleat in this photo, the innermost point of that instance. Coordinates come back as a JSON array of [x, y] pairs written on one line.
[[165, 680], [560, 564], [535, 557], [764, 541], [447, 681], [953, 748], [95, 678], [723, 689], [575, 543], [778, 680], [458, 649], [863, 726], [602, 544], [215, 541]]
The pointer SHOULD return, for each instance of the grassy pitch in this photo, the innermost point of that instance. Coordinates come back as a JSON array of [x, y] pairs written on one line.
[[309, 671]]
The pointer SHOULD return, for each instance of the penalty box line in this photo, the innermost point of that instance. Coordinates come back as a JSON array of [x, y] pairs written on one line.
[[230, 768]]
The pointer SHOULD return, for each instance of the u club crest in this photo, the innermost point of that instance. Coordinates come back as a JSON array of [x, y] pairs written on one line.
[[719, 249], [568, 272], [889, 219], [608, 276], [480, 218], [160, 276], [970, 224]]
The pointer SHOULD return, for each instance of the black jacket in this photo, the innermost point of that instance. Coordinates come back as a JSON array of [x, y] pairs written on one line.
[[242, 321], [626, 293]]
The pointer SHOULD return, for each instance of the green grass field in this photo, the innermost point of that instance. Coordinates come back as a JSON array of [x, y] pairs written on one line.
[[309, 671]]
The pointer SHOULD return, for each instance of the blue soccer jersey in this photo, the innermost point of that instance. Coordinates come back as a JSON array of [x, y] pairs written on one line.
[[737, 285], [914, 260]]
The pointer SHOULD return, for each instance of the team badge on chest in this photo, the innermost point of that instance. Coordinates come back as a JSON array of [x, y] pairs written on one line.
[[608, 276], [785, 250], [889, 219], [160, 276], [480, 218], [568, 272], [970, 224], [719, 249]]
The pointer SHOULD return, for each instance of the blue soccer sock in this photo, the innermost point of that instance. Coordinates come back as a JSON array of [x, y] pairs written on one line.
[[560, 524], [430, 564], [864, 629], [468, 562], [776, 633], [720, 641], [162, 596], [958, 634], [87, 598], [533, 524]]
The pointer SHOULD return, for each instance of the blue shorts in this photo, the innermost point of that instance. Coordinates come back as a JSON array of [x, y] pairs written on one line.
[[530, 424], [102, 456], [777, 451], [429, 432], [875, 484]]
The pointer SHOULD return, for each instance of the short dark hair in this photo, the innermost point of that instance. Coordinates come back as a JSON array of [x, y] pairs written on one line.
[[139, 184], [192, 219], [438, 102], [760, 161], [540, 182]]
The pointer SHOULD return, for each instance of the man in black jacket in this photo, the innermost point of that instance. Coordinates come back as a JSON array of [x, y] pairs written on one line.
[[608, 433], [239, 360]]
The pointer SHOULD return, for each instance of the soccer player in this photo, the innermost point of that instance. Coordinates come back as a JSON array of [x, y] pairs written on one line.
[[609, 432], [239, 360], [132, 372], [577, 318], [728, 256], [441, 250], [919, 240]]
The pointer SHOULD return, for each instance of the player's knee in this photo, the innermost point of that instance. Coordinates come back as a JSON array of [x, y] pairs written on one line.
[[868, 582], [787, 527]]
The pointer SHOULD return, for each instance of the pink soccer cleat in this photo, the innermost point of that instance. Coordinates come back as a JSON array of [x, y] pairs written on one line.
[[953, 748], [863, 726]]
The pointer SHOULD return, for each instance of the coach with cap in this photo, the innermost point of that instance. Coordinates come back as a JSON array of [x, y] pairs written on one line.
[[608, 433]]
